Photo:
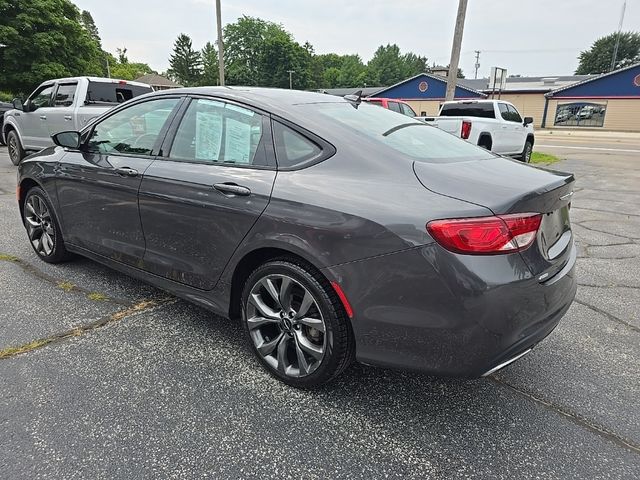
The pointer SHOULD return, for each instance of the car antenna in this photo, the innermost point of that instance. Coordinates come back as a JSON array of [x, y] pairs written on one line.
[[355, 98]]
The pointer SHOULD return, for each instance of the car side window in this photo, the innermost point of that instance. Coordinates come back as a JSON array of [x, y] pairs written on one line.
[[42, 98], [65, 94], [133, 130], [515, 116], [407, 110], [292, 148], [504, 112], [216, 132], [394, 106]]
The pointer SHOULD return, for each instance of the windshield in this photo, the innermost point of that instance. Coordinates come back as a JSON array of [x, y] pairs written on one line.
[[411, 137]]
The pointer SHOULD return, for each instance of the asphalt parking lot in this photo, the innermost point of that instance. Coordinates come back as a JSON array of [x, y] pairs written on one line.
[[104, 377]]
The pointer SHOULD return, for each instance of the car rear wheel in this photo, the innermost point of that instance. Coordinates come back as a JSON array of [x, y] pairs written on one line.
[[16, 152], [526, 152], [296, 324], [42, 227]]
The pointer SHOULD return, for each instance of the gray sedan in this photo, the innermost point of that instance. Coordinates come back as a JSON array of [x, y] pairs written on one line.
[[335, 230]]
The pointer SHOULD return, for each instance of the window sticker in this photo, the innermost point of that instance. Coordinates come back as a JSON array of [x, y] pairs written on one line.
[[237, 144], [208, 135], [244, 111]]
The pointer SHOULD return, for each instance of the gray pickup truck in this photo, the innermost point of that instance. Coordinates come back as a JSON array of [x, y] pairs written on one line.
[[60, 105]]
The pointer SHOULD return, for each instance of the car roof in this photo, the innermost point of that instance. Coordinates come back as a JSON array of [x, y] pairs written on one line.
[[96, 79], [268, 99]]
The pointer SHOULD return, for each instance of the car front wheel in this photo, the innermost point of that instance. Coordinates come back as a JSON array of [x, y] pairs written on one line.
[[526, 153], [295, 323], [16, 152]]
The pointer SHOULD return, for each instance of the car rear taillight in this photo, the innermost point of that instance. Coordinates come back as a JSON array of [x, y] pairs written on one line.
[[465, 131], [486, 235]]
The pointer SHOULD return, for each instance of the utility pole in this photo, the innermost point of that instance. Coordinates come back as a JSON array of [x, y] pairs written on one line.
[[477, 65], [291, 72], [455, 50], [615, 49], [220, 43]]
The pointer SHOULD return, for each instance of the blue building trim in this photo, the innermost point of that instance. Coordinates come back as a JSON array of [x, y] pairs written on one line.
[[623, 83], [425, 87]]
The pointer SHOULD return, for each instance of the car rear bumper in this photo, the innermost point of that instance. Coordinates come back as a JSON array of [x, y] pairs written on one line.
[[431, 310]]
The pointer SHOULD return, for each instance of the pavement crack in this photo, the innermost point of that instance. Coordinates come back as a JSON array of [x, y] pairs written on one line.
[[613, 285], [574, 417], [62, 284], [135, 309], [581, 224], [573, 207], [611, 317]]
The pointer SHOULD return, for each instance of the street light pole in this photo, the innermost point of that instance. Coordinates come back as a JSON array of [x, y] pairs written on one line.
[[455, 50], [220, 43], [291, 78]]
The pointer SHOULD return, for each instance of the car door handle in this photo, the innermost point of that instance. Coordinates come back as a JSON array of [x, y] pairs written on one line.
[[68, 118], [127, 172], [232, 189], [43, 117]]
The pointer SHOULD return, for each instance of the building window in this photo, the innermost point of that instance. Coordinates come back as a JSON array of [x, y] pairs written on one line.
[[580, 114]]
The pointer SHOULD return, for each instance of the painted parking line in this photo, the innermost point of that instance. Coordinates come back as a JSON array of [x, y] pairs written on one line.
[[621, 150]]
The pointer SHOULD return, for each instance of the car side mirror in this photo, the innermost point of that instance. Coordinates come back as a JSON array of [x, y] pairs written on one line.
[[17, 104], [67, 140], [528, 120]]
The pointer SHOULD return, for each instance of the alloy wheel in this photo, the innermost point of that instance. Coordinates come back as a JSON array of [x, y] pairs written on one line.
[[13, 148], [39, 225], [286, 325]]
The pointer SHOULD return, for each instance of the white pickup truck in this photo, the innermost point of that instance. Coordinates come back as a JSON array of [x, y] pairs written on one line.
[[60, 105], [493, 124]]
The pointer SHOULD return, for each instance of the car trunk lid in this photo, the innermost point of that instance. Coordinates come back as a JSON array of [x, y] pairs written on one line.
[[506, 186]]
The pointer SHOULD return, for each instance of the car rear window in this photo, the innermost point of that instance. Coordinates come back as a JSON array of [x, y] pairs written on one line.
[[410, 137], [108, 92], [482, 110]]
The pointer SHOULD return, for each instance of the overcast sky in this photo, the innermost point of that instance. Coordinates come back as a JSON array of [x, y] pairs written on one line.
[[528, 37]]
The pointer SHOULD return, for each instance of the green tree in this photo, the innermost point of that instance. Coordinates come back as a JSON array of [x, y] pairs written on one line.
[[352, 71], [258, 52], [386, 67], [185, 62], [414, 64], [122, 55], [389, 66], [598, 58], [90, 26], [210, 72], [44, 39], [130, 70]]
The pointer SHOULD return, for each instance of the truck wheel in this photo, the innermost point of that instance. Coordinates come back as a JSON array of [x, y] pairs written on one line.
[[485, 142], [16, 152], [526, 153]]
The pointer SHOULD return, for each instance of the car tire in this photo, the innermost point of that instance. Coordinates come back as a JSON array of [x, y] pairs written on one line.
[[526, 152], [295, 323], [43, 229], [16, 152]]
